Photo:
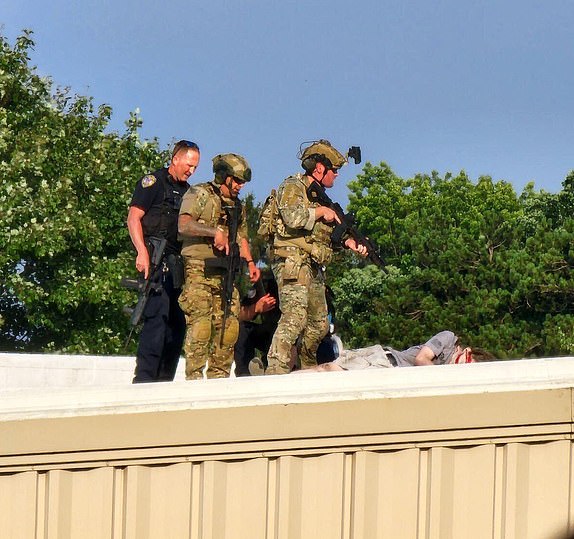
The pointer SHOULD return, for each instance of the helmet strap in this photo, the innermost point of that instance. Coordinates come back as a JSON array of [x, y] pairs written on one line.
[[228, 183]]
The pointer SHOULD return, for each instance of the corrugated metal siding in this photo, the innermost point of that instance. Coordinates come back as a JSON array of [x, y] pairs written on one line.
[[18, 505], [479, 464], [521, 491]]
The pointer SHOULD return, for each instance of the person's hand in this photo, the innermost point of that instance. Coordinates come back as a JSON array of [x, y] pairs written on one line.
[[142, 262], [326, 214], [254, 271], [358, 248], [265, 303], [221, 241]]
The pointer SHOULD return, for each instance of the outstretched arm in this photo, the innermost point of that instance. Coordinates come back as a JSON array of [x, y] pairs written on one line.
[[262, 305]]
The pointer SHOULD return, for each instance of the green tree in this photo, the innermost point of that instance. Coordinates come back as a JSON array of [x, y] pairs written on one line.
[[64, 195], [472, 257]]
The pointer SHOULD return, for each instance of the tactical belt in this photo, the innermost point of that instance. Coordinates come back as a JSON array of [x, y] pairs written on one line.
[[285, 247], [284, 252]]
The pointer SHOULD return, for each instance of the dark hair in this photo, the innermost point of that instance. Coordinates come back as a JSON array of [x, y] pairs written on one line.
[[184, 144], [310, 162], [479, 355]]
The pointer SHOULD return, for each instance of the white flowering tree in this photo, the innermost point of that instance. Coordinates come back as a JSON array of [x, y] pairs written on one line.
[[64, 191]]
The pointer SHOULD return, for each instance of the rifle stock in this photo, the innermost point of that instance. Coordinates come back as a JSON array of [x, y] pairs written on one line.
[[316, 193]]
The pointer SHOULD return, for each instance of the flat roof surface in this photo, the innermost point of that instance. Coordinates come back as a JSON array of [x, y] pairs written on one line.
[[123, 397]]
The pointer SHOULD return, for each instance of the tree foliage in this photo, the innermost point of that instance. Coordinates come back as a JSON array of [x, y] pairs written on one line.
[[475, 258], [471, 256], [64, 195]]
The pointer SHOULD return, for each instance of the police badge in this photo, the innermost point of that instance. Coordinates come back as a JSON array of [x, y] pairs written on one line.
[[148, 181]]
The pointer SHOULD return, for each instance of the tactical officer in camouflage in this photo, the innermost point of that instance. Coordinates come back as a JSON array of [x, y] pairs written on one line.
[[300, 251], [203, 227]]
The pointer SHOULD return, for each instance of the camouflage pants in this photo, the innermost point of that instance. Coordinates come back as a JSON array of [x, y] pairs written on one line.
[[202, 303], [303, 320]]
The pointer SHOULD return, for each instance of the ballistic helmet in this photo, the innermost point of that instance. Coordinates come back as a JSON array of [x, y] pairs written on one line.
[[321, 151], [231, 164]]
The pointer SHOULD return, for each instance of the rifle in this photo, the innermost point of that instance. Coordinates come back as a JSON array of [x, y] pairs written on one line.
[[230, 263], [156, 248], [316, 193]]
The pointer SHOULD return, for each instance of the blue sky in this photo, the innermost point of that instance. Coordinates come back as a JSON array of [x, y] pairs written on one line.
[[484, 86]]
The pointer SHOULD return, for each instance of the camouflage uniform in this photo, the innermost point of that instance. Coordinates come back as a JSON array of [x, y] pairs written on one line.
[[301, 248], [201, 298]]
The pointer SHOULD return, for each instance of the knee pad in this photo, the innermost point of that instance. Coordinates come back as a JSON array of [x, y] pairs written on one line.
[[201, 330], [231, 332]]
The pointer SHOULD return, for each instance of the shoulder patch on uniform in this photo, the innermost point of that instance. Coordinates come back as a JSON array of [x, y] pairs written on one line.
[[148, 181], [200, 195]]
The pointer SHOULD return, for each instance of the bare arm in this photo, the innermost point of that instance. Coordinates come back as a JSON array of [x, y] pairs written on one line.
[[424, 357], [324, 367], [188, 227], [245, 252], [263, 304], [134, 222]]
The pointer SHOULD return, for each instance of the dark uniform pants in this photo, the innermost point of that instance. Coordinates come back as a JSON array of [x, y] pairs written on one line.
[[252, 337], [162, 335]]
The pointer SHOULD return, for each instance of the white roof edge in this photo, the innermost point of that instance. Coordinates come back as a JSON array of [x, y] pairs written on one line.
[[489, 377]]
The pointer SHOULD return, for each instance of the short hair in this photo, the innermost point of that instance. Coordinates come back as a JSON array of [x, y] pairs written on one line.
[[183, 145], [478, 354]]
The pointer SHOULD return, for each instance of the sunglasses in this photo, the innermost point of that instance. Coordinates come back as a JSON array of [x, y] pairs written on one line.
[[180, 145]]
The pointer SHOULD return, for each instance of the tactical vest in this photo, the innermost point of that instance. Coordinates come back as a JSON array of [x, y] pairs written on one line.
[[315, 243], [161, 220], [267, 222], [204, 200]]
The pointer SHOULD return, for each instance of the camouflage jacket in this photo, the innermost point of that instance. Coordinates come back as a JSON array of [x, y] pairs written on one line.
[[296, 224], [206, 205]]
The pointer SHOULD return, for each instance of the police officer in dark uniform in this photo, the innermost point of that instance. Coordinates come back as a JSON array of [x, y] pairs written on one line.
[[154, 212]]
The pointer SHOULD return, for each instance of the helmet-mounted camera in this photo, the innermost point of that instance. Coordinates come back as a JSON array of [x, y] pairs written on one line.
[[354, 153]]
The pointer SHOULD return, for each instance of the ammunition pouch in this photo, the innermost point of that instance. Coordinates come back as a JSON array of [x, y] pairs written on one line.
[[321, 253], [291, 268]]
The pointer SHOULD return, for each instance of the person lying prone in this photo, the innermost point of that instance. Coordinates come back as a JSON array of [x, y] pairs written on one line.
[[442, 348]]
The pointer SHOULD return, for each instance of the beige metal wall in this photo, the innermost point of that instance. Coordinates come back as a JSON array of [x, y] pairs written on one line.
[[366, 463]]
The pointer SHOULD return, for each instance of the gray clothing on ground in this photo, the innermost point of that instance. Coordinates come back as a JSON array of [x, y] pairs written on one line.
[[442, 344]]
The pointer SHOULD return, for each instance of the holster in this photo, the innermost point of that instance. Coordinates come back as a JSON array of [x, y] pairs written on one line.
[[175, 266]]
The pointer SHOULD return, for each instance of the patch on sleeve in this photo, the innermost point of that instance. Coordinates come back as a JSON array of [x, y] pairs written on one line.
[[148, 181], [199, 198]]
